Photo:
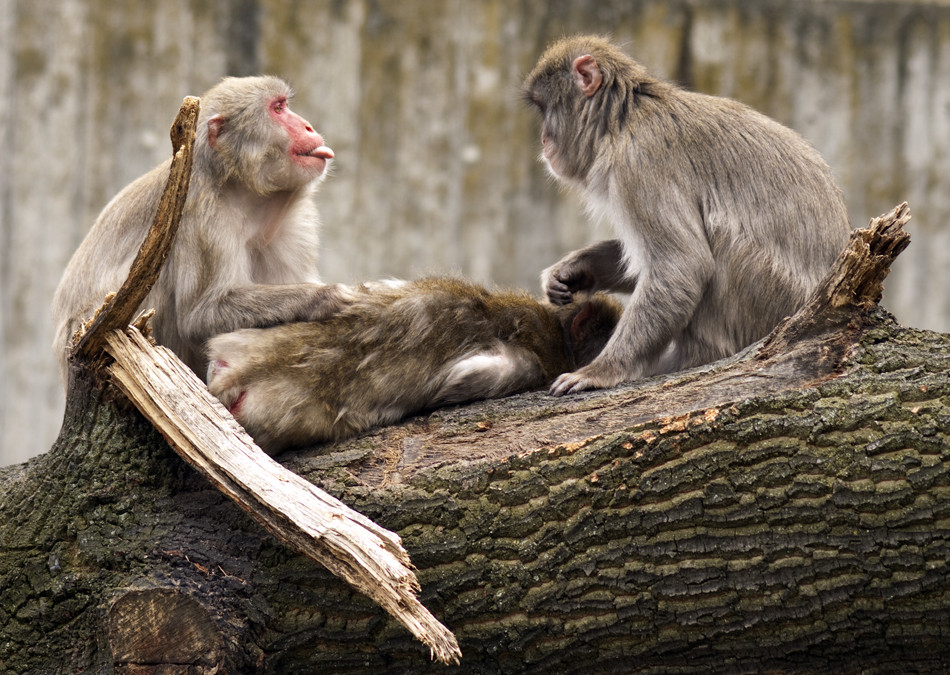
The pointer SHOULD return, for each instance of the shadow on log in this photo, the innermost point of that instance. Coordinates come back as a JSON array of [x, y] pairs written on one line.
[[786, 509]]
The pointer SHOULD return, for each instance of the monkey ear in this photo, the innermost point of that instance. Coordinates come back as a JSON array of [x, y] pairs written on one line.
[[587, 75], [215, 129], [581, 321]]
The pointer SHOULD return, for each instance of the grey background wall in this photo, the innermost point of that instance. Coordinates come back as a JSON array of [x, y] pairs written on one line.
[[436, 157]]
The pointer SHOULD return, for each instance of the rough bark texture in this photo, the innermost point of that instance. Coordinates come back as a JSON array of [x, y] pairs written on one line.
[[308, 520], [802, 530], [785, 510], [175, 401]]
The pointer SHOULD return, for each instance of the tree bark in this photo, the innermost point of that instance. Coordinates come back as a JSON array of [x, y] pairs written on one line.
[[108, 352], [786, 510]]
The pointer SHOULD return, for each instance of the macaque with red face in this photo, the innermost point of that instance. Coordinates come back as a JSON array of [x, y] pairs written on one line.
[[246, 250]]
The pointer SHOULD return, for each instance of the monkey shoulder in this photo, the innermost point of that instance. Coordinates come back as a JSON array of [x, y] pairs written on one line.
[[111, 244], [129, 213]]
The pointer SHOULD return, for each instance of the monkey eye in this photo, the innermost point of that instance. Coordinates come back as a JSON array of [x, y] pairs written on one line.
[[531, 98], [279, 105]]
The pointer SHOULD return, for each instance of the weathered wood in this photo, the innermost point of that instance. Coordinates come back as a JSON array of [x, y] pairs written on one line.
[[200, 430], [305, 518], [152, 626], [122, 307], [853, 286]]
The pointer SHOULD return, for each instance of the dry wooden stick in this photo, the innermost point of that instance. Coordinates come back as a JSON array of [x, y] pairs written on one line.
[[199, 428], [121, 308], [205, 435]]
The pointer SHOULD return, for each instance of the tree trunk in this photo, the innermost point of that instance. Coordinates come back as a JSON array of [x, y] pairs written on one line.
[[786, 510]]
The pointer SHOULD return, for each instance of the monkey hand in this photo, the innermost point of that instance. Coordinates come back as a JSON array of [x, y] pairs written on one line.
[[565, 278], [329, 300], [588, 377]]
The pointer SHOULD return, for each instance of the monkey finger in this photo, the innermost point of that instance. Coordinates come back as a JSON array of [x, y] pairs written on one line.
[[558, 293], [567, 383], [564, 298]]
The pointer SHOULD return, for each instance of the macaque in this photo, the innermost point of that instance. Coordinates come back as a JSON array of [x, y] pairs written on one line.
[[725, 219], [399, 348], [246, 249]]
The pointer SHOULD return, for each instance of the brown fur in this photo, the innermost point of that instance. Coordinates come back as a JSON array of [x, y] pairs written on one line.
[[397, 349]]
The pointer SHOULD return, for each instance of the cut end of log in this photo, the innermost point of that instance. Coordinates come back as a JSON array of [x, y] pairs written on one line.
[[161, 627]]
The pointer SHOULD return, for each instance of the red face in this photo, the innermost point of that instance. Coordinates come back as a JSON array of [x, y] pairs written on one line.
[[306, 145]]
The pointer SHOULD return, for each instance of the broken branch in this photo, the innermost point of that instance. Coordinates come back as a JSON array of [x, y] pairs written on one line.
[[205, 435]]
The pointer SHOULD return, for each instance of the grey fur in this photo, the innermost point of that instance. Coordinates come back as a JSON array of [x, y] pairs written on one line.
[[725, 219]]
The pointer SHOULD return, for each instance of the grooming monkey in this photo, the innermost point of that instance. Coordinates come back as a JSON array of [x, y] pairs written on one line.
[[246, 249], [725, 219], [398, 348]]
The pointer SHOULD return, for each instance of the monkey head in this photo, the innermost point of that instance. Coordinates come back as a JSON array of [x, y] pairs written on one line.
[[247, 133], [579, 87], [587, 325]]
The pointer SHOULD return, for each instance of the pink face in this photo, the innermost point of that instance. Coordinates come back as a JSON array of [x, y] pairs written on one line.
[[306, 145]]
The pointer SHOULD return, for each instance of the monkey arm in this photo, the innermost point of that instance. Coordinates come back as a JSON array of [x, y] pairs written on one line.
[[261, 305], [599, 267], [664, 300]]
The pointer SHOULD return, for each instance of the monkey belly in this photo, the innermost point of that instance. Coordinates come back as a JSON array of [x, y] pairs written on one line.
[[504, 370]]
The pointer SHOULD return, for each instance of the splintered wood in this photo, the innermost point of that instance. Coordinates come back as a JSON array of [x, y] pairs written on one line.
[[309, 520], [858, 276], [120, 307], [199, 429], [853, 285]]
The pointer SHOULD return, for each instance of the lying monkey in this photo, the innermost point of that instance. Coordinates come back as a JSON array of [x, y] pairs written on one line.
[[400, 347]]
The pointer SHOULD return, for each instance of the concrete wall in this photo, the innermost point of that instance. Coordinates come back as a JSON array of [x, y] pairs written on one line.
[[436, 167]]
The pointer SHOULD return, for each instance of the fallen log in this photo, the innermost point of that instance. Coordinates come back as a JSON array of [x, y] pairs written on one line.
[[784, 509], [109, 353]]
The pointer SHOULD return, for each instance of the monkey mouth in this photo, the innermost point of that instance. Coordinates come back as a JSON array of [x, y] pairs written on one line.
[[320, 152], [313, 159]]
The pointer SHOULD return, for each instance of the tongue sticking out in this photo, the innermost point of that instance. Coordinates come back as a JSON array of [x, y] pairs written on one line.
[[323, 152]]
